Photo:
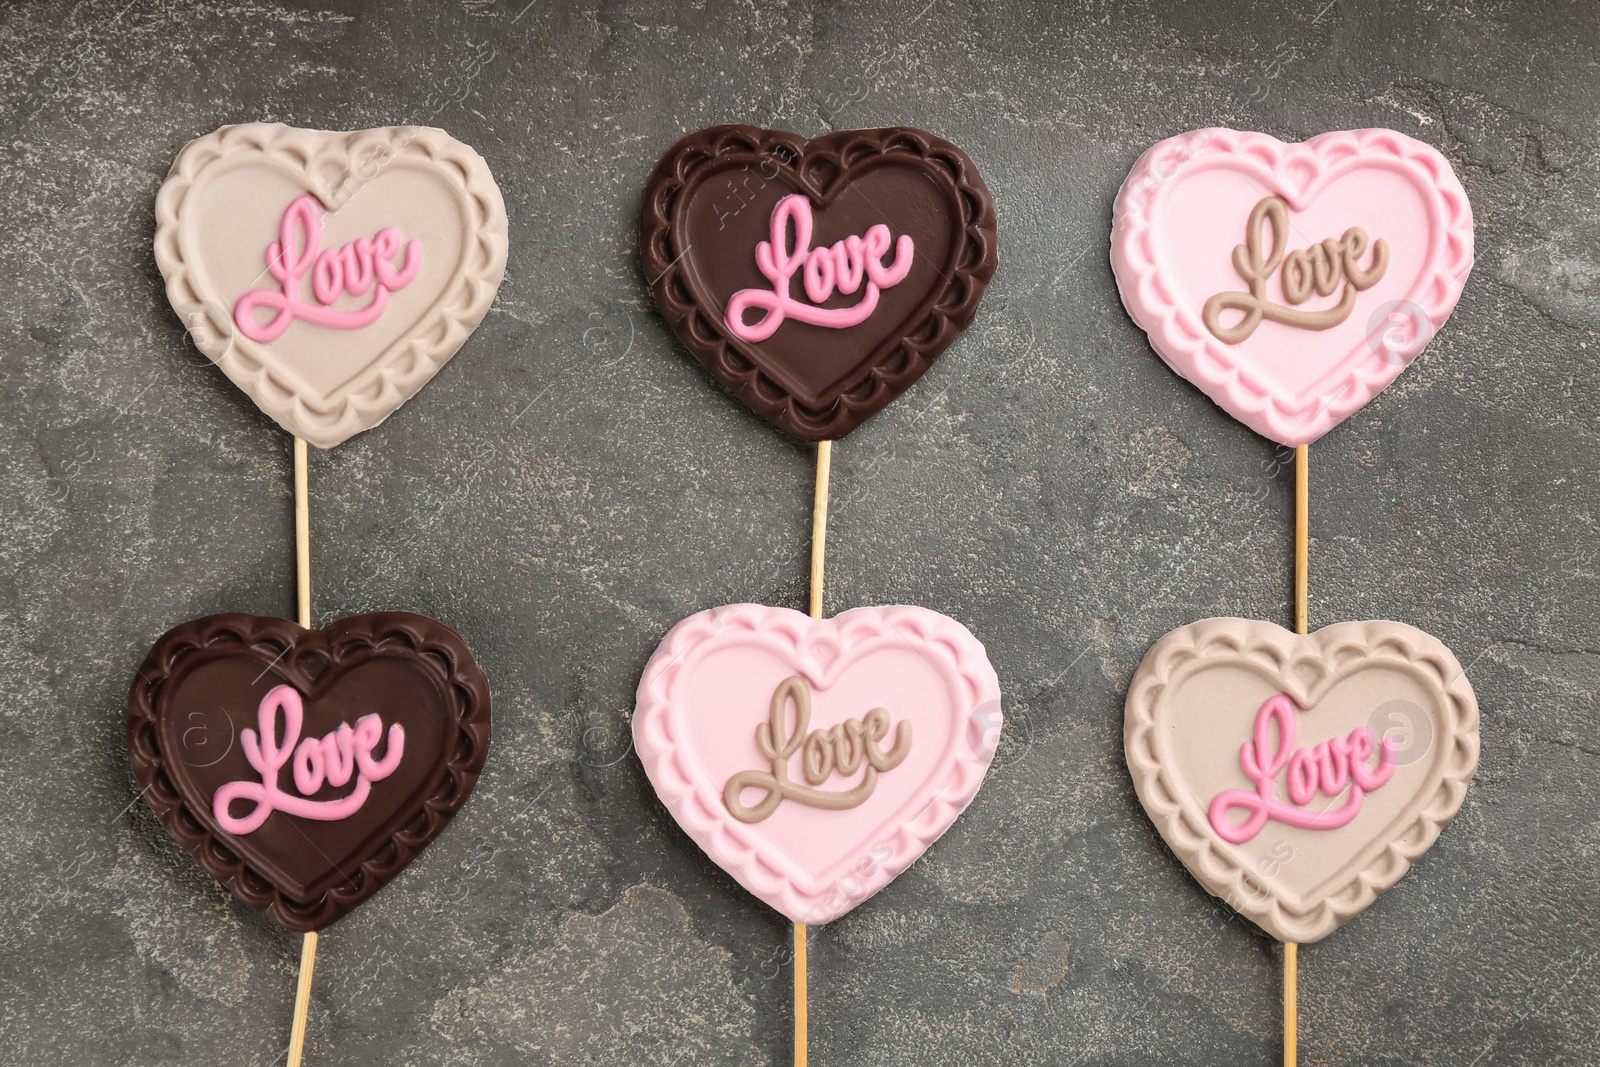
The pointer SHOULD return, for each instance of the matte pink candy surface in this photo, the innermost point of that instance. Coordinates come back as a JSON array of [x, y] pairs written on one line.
[[821, 844], [1340, 316]]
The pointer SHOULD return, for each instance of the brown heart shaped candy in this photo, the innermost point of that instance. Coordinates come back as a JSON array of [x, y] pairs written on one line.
[[1297, 777], [817, 279], [305, 768]]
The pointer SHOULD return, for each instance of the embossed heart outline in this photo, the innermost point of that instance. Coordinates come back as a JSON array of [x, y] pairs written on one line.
[[312, 661], [819, 650], [1298, 172], [820, 167], [331, 166], [1305, 668]]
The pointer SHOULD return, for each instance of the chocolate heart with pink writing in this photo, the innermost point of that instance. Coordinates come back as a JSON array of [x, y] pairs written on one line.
[[1291, 282], [814, 760], [817, 279], [1297, 777], [330, 275], [306, 768]]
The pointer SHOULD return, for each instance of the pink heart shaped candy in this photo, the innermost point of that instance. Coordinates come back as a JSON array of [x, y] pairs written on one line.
[[1291, 282], [815, 759]]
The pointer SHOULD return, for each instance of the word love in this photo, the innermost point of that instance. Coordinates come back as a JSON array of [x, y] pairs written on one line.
[[841, 266], [331, 759], [1318, 269], [1326, 769], [840, 749], [364, 265]]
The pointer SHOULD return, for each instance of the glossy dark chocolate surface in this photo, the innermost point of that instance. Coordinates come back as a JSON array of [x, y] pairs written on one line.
[[202, 684], [709, 203]]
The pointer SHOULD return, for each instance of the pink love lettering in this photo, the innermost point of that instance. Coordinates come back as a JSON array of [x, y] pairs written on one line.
[[331, 759], [842, 266], [364, 265], [1326, 769]]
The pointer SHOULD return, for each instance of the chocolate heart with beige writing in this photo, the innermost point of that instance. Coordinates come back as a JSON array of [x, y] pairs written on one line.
[[1298, 777], [330, 275]]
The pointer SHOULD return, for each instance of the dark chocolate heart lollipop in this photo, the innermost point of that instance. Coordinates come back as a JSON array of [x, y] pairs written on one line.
[[305, 768], [817, 279]]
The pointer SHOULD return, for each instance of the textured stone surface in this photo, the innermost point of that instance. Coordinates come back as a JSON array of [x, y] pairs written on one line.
[[573, 483]]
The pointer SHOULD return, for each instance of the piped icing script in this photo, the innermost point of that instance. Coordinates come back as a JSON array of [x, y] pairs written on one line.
[[331, 760], [1314, 777], [841, 266], [1318, 270], [840, 750], [365, 265]]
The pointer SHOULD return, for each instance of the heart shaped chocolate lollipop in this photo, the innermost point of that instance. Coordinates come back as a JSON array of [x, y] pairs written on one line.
[[1291, 282], [1297, 777], [305, 768], [330, 274], [817, 279], [815, 759]]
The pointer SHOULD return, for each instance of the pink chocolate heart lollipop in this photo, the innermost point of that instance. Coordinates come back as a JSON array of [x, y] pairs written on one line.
[[1291, 282], [815, 759]]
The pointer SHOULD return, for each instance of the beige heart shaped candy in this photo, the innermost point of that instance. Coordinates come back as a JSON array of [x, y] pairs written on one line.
[[330, 274], [1297, 777]]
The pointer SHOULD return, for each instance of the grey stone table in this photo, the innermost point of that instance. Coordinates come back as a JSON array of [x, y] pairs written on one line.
[[573, 483]]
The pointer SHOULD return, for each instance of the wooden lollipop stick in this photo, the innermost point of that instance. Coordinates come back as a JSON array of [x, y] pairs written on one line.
[[302, 999], [302, 533], [819, 551], [1291, 1003], [302, 582], [800, 995], [1302, 623], [819, 525], [1302, 541]]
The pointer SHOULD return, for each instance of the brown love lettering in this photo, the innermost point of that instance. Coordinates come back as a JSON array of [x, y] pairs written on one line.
[[839, 749], [1318, 269]]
